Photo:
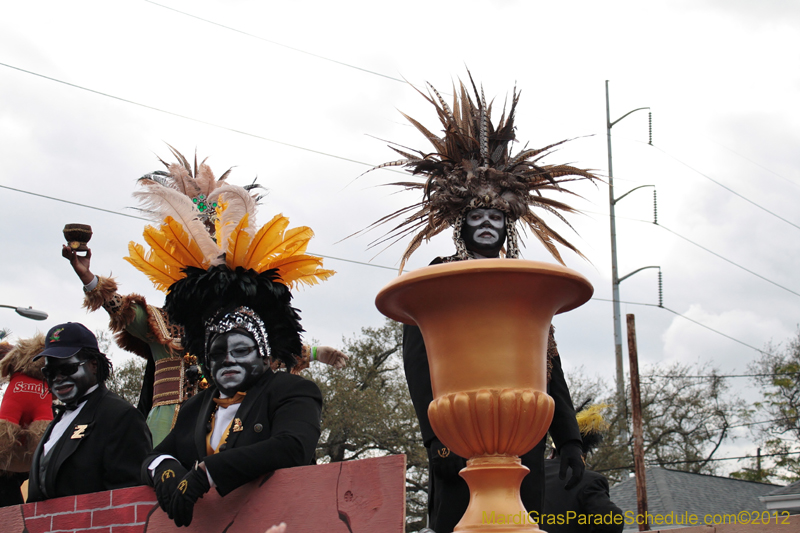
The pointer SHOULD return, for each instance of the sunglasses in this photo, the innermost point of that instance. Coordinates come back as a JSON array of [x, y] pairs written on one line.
[[50, 372]]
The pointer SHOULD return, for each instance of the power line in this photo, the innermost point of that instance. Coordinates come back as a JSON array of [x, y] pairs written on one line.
[[694, 461], [730, 261], [746, 199], [715, 331], [747, 424], [277, 43], [370, 264], [756, 163], [186, 117], [686, 318], [731, 150], [712, 376], [73, 203], [149, 220]]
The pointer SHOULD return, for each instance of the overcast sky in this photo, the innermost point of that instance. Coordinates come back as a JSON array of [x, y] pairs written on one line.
[[301, 96]]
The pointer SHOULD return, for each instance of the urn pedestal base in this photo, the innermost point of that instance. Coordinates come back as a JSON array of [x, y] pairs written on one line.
[[494, 502], [493, 427]]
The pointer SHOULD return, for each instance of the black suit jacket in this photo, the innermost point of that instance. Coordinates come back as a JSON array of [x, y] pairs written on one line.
[[280, 427], [102, 450], [589, 497]]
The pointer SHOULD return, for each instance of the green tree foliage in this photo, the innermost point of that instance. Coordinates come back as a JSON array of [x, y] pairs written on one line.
[[126, 379], [367, 412], [685, 420], [777, 372], [758, 472]]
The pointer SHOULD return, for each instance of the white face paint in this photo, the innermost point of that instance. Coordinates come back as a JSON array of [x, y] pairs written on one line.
[[234, 362], [485, 230]]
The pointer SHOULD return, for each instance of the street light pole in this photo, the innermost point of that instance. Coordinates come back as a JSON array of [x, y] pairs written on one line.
[[614, 269]]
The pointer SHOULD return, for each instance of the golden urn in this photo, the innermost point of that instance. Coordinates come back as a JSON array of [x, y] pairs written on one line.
[[485, 324]]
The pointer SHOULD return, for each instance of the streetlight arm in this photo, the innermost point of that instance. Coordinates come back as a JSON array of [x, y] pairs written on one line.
[[27, 312], [626, 276], [630, 191], [611, 124]]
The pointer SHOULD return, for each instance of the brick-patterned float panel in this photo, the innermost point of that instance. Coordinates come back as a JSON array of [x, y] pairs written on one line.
[[352, 497]]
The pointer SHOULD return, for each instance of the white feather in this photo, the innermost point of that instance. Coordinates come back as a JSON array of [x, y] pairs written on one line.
[[240, 202], [166, 201]]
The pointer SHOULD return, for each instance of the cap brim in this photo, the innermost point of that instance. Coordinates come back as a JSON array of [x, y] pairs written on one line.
[[59, 352]]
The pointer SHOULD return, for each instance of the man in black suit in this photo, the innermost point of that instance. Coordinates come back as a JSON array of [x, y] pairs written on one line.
[[483, 234], [586, 507], [251, 420], [97, 440], [473, 182]]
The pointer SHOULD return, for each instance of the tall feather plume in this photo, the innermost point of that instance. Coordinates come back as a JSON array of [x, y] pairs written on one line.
[[183, 181], [205, 179]]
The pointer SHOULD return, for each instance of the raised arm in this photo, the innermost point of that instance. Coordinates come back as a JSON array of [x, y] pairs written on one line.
[[80, 262]]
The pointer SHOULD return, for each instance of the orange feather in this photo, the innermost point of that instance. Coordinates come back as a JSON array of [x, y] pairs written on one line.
[[267, 239], [184, 245], [238, 243], [155, 269]]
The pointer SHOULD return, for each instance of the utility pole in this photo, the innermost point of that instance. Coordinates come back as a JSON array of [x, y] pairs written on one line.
[[638, 432], [615, 279]]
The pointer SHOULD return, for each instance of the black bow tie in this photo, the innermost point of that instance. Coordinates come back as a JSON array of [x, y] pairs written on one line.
[[60, 408]]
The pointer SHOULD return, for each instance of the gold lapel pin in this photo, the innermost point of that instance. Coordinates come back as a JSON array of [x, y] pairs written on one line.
[[79, 431]]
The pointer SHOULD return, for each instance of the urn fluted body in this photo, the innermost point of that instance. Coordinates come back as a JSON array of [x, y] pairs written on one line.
[[485, 324]]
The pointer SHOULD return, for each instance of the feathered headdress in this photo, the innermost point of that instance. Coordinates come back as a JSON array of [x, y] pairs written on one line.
[[206, 222], [210, 258], [472, 167]]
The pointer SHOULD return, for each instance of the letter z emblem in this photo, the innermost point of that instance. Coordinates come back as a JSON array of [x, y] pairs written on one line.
[[79, 431]]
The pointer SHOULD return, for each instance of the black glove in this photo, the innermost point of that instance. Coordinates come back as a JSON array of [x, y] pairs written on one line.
[[444, 462], [190, 488], [571, 457], [165, 480]]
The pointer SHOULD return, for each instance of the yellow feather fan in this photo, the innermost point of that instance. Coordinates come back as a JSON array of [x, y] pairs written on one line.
[[274, 246]]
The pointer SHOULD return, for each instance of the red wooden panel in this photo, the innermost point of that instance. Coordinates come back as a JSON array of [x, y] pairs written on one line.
[[11, 519], [351, 497]]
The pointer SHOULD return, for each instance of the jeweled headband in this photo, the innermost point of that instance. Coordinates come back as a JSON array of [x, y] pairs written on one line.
[[240, 318]]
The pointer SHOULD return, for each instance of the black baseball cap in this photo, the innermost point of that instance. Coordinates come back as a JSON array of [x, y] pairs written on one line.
[[65, 340]]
